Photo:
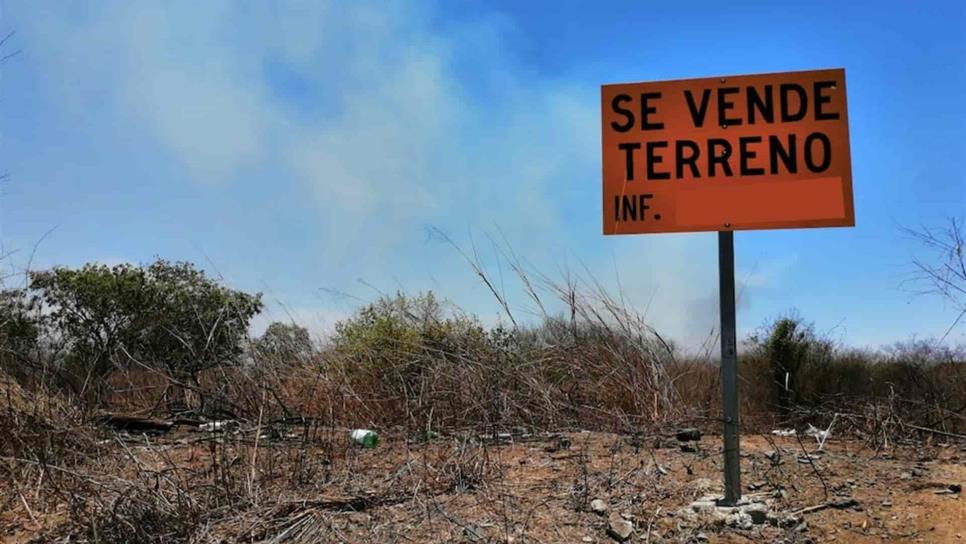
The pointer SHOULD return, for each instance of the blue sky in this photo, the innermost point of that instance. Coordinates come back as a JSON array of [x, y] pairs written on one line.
[[301, 148]]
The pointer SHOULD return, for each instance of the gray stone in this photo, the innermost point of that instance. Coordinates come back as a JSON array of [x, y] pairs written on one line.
[[598, 506], [757, 511], [703, 506], [619, 528], [472, 533], [688, 435], [788, 520]]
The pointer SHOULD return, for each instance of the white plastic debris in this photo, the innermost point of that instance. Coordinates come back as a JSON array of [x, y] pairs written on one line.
[[819, 435], [365, 437], [784, 432], [215, 426]]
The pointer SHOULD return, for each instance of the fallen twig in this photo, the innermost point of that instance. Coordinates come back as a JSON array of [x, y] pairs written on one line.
[[935, 431], [838, 505]]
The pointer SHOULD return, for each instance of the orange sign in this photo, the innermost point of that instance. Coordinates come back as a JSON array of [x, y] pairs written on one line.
[[727, 153]]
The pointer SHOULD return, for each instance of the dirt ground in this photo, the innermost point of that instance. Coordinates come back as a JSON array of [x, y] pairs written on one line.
[[540, 489]]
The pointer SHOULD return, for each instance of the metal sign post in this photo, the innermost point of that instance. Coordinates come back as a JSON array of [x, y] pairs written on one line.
[[672, 164], [729, 367]]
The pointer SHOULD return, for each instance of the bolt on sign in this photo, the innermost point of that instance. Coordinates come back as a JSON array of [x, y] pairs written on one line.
[[727, 153]]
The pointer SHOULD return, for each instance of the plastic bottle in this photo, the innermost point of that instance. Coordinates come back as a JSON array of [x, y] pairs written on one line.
[[365, 438]]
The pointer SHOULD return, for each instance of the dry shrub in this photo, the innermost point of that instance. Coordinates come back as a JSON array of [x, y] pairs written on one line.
[[137, 516], [41, 427], [465, 466], [419, 363]]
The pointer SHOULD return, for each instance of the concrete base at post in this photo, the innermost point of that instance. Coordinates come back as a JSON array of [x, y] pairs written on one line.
[[749, 511]]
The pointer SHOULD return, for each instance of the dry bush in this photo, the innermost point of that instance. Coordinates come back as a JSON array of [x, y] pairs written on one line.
[[424, 365], [138, 515], [415, 375], [417, 368], [421, 365]]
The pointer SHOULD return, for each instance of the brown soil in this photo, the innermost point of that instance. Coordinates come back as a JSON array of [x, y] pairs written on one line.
[[539, 491]]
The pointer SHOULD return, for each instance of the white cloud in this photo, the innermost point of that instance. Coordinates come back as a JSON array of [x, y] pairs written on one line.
[[421, 123], [193, 90]]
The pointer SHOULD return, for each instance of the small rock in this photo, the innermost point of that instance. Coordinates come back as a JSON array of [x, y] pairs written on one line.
[[787, 520], [598, 506], [688, 435], [783, 521], [586, 539], [619, 528], [757, 511], [905, 476], [473, 533], [702, 506], [844, 503], [741, 521], [801, 527], [887, 503]]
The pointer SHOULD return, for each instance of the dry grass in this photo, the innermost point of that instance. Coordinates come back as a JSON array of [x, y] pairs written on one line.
[[463, 411], [287, 485]]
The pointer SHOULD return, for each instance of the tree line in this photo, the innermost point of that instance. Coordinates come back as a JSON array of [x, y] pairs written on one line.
[[78, 325]]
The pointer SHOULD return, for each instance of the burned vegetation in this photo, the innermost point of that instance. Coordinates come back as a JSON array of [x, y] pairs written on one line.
[[136, 408]]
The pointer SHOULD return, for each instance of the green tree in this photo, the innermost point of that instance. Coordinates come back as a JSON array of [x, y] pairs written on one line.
[[21, 325], [284, 343], [195, 323], [98, 310], [400, 339], [788, 345], [169, 316]]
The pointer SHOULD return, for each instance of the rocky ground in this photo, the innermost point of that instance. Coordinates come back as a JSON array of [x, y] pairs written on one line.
[[572, 487]]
